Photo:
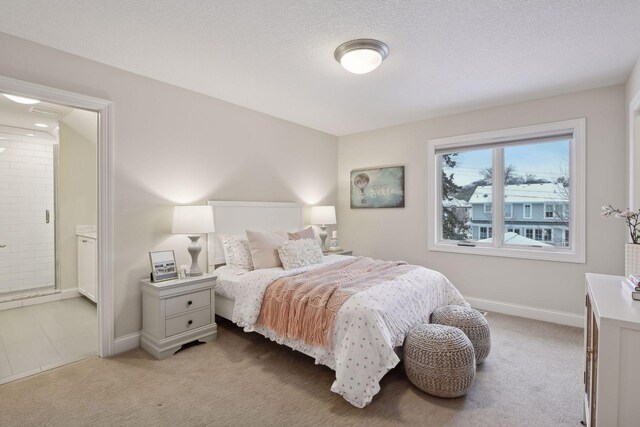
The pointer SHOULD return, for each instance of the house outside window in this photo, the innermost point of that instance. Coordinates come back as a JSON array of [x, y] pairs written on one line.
[[534, 176]]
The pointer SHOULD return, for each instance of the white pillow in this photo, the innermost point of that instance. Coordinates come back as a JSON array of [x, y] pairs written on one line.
[[300, 253], [236, 251], [264, 248]]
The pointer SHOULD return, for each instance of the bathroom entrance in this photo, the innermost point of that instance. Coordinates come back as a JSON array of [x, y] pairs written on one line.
[[48, 235]]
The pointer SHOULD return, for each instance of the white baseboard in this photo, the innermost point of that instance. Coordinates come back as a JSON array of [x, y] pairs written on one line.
[[553, 316], [69, 293], [39, 299], [126, 343]]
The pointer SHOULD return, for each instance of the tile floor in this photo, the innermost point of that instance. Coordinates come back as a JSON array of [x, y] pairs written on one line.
[[44, 336]]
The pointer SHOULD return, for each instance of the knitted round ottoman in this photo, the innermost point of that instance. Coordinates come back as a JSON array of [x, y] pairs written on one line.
[[471, 322], [439, 360]]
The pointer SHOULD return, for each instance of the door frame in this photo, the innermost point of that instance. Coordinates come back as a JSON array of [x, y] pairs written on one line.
[[634, 110], [104, 108]]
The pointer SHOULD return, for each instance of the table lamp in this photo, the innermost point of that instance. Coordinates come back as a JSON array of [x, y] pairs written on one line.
[[193, 221], [323, 215]]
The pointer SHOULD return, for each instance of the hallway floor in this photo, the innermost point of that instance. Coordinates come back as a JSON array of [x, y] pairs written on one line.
[[44, 336]]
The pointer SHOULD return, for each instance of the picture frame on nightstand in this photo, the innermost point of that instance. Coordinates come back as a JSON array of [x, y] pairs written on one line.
[[163, 266]]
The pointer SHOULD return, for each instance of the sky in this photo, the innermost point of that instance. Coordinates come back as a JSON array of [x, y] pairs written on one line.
[[548, 160]]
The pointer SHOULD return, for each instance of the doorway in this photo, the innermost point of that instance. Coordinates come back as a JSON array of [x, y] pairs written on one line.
[[104, 244], [48, 200]]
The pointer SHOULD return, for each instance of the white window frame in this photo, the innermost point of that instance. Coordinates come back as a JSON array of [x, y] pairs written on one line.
[[532, 232], [524, 210], [575, 253], [485, 206]]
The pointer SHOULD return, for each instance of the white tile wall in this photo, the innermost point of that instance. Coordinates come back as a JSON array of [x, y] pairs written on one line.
[[26, 192]]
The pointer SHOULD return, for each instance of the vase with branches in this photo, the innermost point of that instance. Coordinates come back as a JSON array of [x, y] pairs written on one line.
[[632, 219]]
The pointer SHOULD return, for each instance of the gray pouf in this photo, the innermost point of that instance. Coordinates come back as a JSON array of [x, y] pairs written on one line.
[[471, 322], [439, 360]]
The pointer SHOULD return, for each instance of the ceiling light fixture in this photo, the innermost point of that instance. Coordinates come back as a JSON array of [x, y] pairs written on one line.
[[362, 55], [41, 125], [28, 134], [21, 99]]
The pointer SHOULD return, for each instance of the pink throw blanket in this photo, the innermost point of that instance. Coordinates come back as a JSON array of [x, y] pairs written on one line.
[[304, 306]]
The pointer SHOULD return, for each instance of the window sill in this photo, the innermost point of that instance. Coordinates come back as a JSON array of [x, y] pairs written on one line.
[[530, 253]]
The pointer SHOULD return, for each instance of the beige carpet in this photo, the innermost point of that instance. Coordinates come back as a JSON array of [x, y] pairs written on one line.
[[533, 377]]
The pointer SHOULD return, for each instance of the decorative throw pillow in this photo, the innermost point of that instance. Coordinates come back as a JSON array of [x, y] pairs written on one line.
[[300, 253], [236, 251], [312, 233], [307, 233], [264, 248]]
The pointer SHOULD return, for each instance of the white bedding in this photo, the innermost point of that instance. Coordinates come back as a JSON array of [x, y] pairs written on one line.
[[368, 326], [227, 279]]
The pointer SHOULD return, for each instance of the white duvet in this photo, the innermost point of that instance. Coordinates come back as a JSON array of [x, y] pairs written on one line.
[[368, 326]]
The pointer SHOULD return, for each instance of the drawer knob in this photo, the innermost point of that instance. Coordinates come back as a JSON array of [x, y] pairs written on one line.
[[189, 302], [189, 322]]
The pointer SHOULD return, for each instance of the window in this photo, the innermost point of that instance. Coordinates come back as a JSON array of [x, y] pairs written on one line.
[[536, 174], [549, 211], [508, 210], [483, 233], [457, 225]]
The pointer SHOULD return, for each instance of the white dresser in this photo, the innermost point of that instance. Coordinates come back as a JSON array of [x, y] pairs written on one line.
[[612, 353], [177, 312]]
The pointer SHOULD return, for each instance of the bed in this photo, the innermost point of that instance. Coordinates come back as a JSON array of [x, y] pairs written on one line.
[[370, 326]]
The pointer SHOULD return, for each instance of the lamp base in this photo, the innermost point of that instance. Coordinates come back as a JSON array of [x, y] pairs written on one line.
[[323, 235], [194, 250]]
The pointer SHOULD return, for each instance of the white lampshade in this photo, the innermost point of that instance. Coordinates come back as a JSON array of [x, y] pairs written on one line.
[[193, 220], [323, 215]]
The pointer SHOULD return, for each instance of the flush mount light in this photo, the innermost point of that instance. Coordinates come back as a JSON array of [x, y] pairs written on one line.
[[28, 134], [362, 55], [41, 125], [21, 99]]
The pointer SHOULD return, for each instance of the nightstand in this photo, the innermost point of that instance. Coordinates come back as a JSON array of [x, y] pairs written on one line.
[[177, 312], [342, 252]]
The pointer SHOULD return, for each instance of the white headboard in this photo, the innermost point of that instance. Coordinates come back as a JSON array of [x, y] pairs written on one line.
[[236, 217]]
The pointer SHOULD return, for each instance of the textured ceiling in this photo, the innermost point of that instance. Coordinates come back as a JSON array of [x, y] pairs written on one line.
[[276, 56]]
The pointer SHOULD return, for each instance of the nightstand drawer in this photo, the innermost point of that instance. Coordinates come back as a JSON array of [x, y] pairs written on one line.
[[186, 303], [188, 321]]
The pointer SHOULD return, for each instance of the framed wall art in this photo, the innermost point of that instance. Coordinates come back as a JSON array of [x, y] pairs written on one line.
[[163, 266], [381, 187]]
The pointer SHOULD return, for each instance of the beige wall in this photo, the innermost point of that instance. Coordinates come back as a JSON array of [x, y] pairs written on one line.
[[633, 83], [77, 188], [173, 146], [402, 233], [633, 90]]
